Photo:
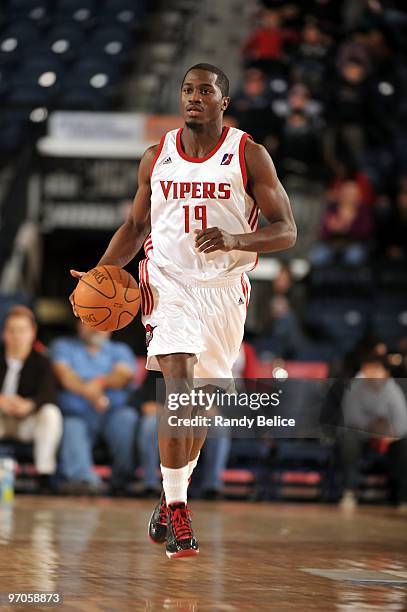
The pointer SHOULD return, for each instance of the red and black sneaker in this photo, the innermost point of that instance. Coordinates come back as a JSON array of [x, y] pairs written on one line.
[[157, 526], [181, 541]]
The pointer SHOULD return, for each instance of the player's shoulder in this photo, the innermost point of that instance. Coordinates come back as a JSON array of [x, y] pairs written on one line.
[[255, 153], [254, 148], [151, 152]]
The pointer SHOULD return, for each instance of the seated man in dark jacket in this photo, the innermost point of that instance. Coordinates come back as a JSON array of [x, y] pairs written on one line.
[[28, 391]]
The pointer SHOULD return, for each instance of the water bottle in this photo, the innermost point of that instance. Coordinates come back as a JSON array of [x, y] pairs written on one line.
[[7, 466]]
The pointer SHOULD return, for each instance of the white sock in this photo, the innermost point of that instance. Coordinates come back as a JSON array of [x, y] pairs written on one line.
[[175, 483], [192, 465]]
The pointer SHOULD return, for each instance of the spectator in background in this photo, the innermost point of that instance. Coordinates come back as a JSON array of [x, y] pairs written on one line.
[[346, 171], [95, 375], [252, 103], [28, 392], [265, 46], [300, 151], [311, 59], [374, 405], [348, 112], [282, 335], [298, 99], [354, 46], [346, 228]]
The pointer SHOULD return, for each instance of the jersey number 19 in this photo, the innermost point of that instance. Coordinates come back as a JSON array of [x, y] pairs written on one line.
[[199, 214]]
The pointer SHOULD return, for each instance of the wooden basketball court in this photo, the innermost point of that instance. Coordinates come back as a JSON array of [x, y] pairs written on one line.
[[96, 554]]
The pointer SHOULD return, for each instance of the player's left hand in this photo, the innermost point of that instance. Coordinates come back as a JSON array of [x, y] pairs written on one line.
[[214, 239]]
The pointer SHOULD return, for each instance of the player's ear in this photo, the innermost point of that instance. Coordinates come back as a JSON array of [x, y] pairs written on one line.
[[225, 102]]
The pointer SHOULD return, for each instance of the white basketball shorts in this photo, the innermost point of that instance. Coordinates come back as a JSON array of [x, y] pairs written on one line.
[[201, 319]]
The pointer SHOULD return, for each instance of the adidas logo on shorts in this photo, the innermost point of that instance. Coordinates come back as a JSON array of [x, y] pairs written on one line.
[[167, 161], [241, 301]]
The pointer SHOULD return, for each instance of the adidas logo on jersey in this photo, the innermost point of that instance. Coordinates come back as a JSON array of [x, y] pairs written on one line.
[[241, 301], [167, 161]]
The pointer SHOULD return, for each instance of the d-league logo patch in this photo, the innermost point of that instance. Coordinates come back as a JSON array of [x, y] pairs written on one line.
[[226, 159], [149, 333]]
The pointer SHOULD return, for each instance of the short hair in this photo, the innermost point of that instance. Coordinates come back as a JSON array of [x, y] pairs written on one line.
[[222, 80], [21, 311]]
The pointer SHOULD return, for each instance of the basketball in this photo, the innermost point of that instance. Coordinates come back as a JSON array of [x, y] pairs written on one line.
[[107, 298]]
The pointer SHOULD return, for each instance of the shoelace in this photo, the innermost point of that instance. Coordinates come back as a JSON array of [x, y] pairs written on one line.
[[181, 523], [163, 512]]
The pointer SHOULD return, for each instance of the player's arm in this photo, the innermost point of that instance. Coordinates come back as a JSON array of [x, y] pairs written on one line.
[[128, 239], [271, 198]]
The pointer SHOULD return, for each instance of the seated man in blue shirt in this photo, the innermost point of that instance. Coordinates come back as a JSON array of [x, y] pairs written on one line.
[[95, 375]]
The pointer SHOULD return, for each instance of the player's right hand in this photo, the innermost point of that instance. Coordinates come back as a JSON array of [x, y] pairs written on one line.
[[77, 275]]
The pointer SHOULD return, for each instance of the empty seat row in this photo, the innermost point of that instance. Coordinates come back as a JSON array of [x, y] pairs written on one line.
[[78, 9], [344, 322]]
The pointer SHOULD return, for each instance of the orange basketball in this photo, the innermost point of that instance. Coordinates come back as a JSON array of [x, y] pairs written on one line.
[[107, 298]]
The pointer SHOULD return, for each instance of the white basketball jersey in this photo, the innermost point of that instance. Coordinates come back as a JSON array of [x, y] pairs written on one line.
[[190, 194]]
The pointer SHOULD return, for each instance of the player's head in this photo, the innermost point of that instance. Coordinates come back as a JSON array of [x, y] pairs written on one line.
[[204, 95]]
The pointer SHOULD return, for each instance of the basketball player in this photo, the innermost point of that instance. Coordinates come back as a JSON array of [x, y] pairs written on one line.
[[200, 191]]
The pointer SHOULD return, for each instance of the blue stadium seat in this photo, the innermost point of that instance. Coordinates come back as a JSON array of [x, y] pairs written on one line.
[[341, 321], [87, 69], [24, 31], [11, 137], [390, 319], [126, 12], [83, 98], [42, 62], [66, 31], [106, 34], [41, 75], [338, 282], [392, 278], [80, 11], [65, 40], [15, 39], [30, 96], [36, 10], [112, 52], [4, 80]]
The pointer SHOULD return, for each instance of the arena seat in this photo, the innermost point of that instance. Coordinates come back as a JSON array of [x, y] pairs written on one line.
[[42, 61], [124, 11], [390, 319], [342, 321], [78, 10], [31, 96], [83, 98], [392, 278], [337, 281], [23, 31], [84, 42], [87, 69], [35, 10], [107, 34], [68, 31]]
